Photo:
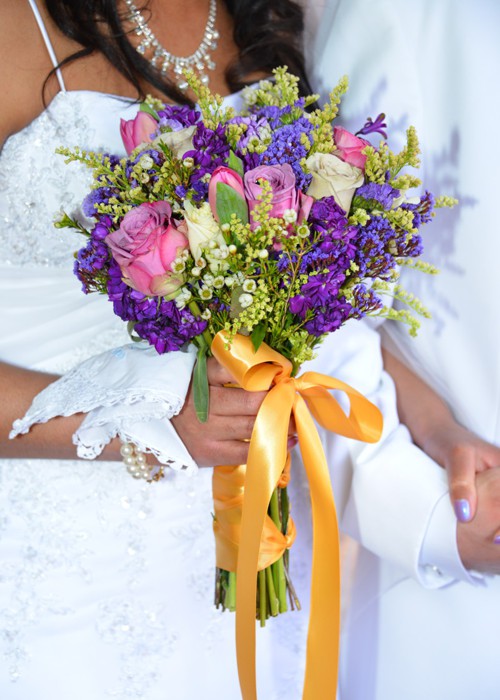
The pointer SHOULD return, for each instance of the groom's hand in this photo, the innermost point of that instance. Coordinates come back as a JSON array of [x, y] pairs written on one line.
[[476, 539]]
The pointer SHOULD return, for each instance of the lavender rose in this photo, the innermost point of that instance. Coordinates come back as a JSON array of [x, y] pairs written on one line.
[[284, 190], [145, 246]]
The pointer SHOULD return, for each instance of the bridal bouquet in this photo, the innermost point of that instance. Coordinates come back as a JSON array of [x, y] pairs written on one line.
[[265, 230]]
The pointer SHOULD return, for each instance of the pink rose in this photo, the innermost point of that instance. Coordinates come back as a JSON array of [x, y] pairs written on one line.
[[137, 131], [145, 246], [349, 147], [283, 185], [227, 176]]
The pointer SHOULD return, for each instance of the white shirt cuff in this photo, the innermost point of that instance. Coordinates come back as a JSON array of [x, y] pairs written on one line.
[[439, 560]]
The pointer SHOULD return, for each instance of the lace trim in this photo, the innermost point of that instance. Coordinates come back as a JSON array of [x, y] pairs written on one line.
[[45, 407], [87, 449]]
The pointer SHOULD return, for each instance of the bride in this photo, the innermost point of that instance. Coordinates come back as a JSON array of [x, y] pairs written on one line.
[[106, 581]]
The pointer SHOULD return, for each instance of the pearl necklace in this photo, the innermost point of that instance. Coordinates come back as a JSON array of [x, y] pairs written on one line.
[[199, 61]]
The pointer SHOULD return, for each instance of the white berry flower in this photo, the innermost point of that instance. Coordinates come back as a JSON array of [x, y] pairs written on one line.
[[146, 162], [263, 254], [245, 300], [249, 286], [178, 265], [290, 216], [206, 314], [205, 293], [218, 282]]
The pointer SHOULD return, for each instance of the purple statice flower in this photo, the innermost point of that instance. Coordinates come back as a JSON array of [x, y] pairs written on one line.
[[366, 301], [374, 245], [372, 127], [383, 195], [156, 320], [422, 212], [91, 260], [256, 128], [286, 147], [100, 195], [157, 157], [176, 117]]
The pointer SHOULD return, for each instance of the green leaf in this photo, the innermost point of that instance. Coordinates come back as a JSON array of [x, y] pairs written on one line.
[[200, 386], [258, 335], [235, 163], [149, 110], [130, 329], [229, 202]]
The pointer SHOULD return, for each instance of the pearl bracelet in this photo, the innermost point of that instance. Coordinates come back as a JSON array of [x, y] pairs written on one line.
[[136, 463]]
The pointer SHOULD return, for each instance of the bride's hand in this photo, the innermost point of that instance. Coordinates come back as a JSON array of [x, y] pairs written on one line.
[[232, 412]]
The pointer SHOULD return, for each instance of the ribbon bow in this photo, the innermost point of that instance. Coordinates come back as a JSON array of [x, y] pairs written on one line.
[[300, 396]]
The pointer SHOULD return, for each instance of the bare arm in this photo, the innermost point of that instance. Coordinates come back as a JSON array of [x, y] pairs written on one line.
[[433, 427], [51, 440]]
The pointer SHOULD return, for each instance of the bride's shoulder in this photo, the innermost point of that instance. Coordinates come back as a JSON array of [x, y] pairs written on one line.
[[25, 65]]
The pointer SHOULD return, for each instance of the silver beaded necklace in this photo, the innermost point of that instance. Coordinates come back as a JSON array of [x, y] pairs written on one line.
[[200, 61]]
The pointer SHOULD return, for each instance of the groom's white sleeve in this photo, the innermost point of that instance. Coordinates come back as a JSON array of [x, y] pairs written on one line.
[[392, 498]]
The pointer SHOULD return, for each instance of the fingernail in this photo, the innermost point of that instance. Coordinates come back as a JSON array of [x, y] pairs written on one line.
[[292, 441], [496, 539], [462, 510]]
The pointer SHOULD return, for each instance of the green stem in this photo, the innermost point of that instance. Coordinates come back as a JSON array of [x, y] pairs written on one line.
[[272, 597], [230, 600], [196, 311], [262, 598]]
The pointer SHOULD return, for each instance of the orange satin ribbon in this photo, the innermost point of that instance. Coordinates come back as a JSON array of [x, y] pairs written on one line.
[[302, 396], [228, 485]]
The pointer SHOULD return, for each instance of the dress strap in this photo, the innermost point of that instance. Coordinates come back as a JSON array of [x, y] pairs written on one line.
[[48, 43]]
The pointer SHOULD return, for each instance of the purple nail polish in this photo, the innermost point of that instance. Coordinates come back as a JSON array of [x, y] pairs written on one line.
[[496, 539], [462, 510]]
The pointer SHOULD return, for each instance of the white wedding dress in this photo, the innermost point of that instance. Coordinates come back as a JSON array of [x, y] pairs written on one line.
[[106, 583]]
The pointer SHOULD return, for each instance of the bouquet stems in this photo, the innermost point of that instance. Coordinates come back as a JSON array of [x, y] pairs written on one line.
[[273, 582]]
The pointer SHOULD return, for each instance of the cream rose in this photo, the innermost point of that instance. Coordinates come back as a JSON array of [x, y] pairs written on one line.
[[179, 142], [201, 228], [333, 177]]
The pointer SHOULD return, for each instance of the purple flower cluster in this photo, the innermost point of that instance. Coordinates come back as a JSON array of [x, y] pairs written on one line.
[[92, 260], [156, 320], [176, 117], [210, 151], [287, 124], [100, 195], [320, 301], [376, 195], [422, 212], [156, 156]]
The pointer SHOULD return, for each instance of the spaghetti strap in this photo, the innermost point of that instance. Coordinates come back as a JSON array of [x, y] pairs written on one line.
[[48, 43]]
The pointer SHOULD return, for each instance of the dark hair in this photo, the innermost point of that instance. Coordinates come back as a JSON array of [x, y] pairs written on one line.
[[268, 33]]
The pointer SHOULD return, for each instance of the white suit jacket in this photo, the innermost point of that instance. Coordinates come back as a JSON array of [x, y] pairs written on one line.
[[431, 633]]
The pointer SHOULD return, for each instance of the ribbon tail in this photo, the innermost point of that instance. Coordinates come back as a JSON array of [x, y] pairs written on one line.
[[266, 460], [324, 621]]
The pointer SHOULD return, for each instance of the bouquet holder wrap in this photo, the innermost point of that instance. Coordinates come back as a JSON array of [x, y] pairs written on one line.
[[238, 540]]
